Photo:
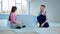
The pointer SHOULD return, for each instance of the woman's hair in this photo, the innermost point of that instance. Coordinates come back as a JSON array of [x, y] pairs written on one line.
[[12, 10]]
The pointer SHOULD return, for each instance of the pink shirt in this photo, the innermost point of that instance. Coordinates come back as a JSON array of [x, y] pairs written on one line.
[[13, 17]]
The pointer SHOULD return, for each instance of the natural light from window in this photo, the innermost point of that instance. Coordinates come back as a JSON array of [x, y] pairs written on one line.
[[5, 6]]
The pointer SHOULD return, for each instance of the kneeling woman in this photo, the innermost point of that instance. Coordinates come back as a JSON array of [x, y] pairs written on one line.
[[12, 18], [42, 18]]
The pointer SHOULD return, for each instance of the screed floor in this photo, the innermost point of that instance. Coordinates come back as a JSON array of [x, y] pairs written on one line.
[[35, 31], [53, 29]]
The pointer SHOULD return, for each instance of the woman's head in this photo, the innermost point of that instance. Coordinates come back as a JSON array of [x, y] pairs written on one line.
[[14, 8]]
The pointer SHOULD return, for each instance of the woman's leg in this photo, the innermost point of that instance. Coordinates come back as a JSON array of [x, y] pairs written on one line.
[[16, 24], [19, 23], [13, 26]]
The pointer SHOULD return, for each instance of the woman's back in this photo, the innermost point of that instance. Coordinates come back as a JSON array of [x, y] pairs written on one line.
[[12, 17]]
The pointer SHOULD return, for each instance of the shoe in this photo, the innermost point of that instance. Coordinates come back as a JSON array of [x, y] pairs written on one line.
[[24, 26], [18, 27]]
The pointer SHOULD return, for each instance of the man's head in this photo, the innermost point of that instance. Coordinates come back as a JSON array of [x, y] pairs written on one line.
[[42, 7]]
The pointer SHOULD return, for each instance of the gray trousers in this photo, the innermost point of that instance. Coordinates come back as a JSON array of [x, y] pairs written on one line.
[[16, 24]]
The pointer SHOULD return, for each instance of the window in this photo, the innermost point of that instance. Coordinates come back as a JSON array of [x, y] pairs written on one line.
[[0, 6], [11, 3], [19, 10], [0, 0], [6, 6], [18, 1], [22, 6]]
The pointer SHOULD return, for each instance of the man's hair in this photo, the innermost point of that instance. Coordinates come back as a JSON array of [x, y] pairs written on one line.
[[43, 6]]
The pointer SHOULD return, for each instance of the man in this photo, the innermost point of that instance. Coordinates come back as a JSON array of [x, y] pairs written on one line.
[[42, 17]]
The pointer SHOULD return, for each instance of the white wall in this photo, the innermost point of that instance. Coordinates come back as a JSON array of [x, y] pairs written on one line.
[[52, 7]]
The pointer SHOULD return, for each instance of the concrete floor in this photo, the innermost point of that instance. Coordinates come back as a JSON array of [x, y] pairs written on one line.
[[10, 32], [53, 29], [34, 31]]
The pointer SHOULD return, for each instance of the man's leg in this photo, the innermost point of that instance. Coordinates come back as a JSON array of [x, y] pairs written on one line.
[[46, 25]]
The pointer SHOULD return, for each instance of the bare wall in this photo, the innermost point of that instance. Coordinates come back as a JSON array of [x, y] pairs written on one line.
[[52, 8]]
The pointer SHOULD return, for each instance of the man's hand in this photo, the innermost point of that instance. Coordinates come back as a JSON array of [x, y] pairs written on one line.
[[42, 25]]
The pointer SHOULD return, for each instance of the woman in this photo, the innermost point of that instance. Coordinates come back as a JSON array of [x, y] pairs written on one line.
[[12, 18]]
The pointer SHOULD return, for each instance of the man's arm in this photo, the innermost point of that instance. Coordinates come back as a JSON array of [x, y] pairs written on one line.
[[36, 23], [43, 24]]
